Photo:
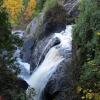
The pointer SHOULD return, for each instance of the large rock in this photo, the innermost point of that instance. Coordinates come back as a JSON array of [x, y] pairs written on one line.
[[22, 83], [71, 7], [54, 20], [27, 50], [37, 35], [41, 50], [61, 83], [32, 34]]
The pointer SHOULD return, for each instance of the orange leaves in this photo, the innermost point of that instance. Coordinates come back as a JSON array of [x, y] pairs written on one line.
[[29, 9]]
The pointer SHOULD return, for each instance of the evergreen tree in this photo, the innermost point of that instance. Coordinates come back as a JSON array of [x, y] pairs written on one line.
[[9, 87], [6, 45]]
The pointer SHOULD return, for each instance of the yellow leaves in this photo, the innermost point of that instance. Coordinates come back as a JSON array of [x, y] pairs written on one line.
[[83, 97], [87, 94], [84, 91], [97, 96], [92, 63], [98, 33], [78, 90], [13, 7], [16, 8]]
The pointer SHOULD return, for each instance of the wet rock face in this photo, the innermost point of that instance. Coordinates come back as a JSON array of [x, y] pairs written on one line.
[[41, 50], [71, 7], [37, 53], [54, 20], [41, 27], [37, 36], [27, 49], [61, 83]]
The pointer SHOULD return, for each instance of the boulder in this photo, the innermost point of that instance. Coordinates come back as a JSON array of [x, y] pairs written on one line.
[[37, 35], [41, 50], [22, 83], [28, 46], [54, 20], [60, 85]]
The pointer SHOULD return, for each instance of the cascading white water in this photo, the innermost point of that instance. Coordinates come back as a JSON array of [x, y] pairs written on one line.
[[40, 77], [53, 58], [23, 66], [25, 69]]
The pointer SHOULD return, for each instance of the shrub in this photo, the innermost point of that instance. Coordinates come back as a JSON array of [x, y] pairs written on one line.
[[14, 8], [40, 4], [9, 88], [49, 4], [29, 10], [86, 38]]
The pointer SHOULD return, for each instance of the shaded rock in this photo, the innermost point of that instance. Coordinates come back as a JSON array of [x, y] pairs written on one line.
[[60, 85], [28, 46], [22, 83], [39, 33], [71, 7], [40, 27], [55, 19], [72, 11], [33, 31], [35, 28]]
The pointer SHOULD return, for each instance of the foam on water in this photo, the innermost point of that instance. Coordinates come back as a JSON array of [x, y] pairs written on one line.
[[53, 58]]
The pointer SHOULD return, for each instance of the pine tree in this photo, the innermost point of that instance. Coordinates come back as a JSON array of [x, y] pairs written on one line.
[[9, 88], [5, 34]]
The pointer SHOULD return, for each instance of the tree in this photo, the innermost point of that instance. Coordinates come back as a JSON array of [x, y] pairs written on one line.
[[29, 10], [9, 87], [19, 8], [14, 8], [86, 40], [5, 33]]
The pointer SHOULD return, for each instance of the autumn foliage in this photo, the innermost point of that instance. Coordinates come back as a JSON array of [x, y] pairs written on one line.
[[29, 9], [16, 9]]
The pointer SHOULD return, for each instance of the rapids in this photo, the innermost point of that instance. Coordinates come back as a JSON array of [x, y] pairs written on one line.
[[56, 54]]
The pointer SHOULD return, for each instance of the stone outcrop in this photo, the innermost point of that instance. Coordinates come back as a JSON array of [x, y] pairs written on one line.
[[47, 23], [42, 26], [60, 86], [37, 35]]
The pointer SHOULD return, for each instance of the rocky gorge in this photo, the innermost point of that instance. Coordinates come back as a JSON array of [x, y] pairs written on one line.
[[36, 45], [56, 57]]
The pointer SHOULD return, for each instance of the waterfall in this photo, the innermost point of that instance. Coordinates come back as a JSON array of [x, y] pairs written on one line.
[[23, 66], [53, 58]]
